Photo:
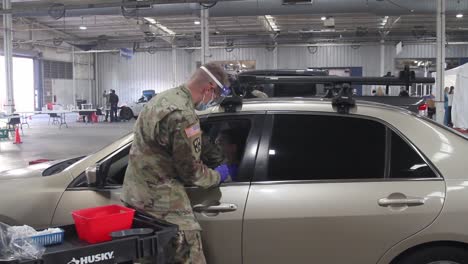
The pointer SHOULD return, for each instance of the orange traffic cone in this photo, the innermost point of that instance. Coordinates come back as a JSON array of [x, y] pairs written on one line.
[[17, 137]]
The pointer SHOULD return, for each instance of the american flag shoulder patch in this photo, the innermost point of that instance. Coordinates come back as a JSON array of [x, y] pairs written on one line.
[[193, 130]]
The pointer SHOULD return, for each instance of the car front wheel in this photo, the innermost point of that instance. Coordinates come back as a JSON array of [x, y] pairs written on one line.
[[126, 113], [437, 255]]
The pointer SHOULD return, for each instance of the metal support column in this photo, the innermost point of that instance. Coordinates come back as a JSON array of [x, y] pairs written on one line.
[[205, 36], [73, 79], [425, 86], [98, 92], [275, 57], [90, 83], [174, 65], [382, 57], [440, 80], [8, 52]]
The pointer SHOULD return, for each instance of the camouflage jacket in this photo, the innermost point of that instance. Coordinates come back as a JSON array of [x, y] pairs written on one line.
[[164, 156]]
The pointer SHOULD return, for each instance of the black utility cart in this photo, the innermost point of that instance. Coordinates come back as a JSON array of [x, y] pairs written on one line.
[[122, 250]]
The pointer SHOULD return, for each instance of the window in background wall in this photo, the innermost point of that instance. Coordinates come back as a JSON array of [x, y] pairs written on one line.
[[58, 70], [23, 84]]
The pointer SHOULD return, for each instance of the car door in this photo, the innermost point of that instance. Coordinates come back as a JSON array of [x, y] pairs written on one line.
[[332, 189], [79, 195], [220, 210]]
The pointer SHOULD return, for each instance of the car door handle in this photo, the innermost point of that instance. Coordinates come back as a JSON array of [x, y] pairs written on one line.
[[384, 202], [221, 208]]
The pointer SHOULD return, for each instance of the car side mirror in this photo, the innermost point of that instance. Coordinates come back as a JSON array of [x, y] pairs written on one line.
[[93, 175]]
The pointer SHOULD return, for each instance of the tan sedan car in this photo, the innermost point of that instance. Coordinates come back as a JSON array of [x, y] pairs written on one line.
[[377, 185]]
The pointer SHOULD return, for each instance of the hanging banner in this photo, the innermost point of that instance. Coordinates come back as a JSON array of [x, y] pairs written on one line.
[[126, 53]]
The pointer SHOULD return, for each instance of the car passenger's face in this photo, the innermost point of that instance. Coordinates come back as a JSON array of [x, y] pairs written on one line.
[[229, 149]]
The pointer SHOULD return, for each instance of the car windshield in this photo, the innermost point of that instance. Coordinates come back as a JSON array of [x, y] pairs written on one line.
[[59, 167]]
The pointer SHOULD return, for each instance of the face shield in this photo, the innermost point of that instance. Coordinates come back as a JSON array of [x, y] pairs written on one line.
[[221, 93]]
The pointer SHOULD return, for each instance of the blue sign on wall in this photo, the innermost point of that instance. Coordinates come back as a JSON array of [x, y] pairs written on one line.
[[126, 53]]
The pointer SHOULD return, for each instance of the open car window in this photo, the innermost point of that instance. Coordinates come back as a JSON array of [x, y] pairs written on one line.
[[224, 142]]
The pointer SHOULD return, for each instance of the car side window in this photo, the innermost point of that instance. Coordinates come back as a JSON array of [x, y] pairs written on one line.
[[406, 162], [117, 167], [224, 142], [114, 169], [324, 147]]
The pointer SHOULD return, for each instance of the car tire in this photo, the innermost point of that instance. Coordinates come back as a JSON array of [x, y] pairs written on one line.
[[437, 255], [126, 113]]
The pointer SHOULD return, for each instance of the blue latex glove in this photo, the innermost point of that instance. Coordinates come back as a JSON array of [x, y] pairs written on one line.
[[223, 171], [233, 169]]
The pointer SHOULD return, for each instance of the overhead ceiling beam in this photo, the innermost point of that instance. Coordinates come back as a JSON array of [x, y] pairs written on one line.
[[151, 30], [54, 30], [271, 29], [42, 8], [389, 24], [241, 8]]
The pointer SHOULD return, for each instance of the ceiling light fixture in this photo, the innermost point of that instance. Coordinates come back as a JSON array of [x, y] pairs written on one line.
[[82, 26], [165, 29], [384, 22], [151, 20], [271, 21], [323, 18], [196, 22], [460, 15], [158, 25]]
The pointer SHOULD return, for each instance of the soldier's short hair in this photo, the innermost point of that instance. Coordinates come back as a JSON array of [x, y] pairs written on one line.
[[217, 72]]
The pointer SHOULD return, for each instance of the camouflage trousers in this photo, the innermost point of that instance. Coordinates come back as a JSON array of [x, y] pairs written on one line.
[[188, 249]]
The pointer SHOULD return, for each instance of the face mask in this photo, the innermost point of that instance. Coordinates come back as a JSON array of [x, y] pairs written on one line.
[[201, 106]]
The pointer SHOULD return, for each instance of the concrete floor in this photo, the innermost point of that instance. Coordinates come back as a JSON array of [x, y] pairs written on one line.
[[43, 141]]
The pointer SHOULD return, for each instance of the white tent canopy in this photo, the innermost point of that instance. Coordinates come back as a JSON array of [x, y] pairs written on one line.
[[458, 77]]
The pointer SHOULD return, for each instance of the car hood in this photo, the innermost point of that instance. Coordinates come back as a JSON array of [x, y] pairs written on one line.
[[27, 172]]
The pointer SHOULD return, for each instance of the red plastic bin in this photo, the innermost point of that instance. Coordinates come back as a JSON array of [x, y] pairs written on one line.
[[94, 225]]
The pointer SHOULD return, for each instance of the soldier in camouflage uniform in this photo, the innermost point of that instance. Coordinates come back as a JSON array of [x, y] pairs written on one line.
[[165, 155]]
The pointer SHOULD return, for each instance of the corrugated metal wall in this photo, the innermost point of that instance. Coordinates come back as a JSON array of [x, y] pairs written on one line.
[[263, 57], [129, 77], [429, 51], [146, 71], [332, 56]]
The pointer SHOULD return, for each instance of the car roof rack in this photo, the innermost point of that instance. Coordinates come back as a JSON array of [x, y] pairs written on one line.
[[343, 101], [287, 72], [231, 104]]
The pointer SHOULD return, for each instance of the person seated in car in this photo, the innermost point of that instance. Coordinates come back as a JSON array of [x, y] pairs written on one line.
[[231, 144], [211, 155]]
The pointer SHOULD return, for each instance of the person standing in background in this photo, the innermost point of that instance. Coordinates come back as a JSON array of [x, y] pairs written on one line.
[[114, 101], [450, 101], [106, 103], [431, 108], [380, 92]]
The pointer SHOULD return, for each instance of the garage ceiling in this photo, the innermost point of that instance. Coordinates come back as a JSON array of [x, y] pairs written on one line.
[[131, 29]]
